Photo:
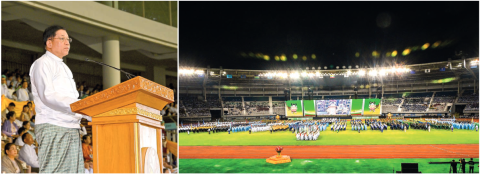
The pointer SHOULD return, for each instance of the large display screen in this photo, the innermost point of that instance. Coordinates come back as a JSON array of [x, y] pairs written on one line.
[[372, 106], [333, 107], [294, 108], [357, 107], [309, 108]]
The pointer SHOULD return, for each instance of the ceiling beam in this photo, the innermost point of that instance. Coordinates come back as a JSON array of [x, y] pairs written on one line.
[[74, 56]]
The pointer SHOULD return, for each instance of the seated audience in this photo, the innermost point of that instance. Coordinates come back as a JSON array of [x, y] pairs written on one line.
[[87, 148], [9, 128], [18, 140], [10, 162], [28, 153], [10, 108]]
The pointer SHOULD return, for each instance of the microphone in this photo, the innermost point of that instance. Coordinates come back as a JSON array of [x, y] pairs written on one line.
[[128, 75]]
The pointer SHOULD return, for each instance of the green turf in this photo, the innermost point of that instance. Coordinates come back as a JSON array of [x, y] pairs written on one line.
[[311, 166], [348, 137]]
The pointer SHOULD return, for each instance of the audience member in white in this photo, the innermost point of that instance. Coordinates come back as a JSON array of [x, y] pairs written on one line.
[[87, 167], [10, 162], [32, 123], [19, 121], [21, 132], [26, 113], [10, 108], [5, 87], [11, 89], [81, 93], [83, 131], [30, 130], [14, 96], [10, 80], [28, 154], [54, 89], [22, 93], [19, 81], [30, 107]]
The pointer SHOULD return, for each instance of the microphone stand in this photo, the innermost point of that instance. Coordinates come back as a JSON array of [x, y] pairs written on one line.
[[128, 75]]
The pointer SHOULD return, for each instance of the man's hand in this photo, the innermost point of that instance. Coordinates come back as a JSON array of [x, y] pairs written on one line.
[[87, 117]]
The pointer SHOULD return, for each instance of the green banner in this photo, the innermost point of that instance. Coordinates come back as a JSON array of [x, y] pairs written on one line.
[[357, 107], [372, 106], [294, 108], [309, 108]]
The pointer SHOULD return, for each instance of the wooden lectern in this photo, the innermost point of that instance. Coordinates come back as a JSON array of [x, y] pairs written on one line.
[[126, 123]]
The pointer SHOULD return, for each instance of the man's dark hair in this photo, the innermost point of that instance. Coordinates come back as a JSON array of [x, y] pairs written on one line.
[[84, 138], [10, 114], [21, 129], [50, 32], [33, 118], [12, 104], [24, 136], [24, 106], [25, 123]]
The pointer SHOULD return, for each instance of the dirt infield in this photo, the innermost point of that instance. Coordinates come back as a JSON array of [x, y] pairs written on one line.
[[332, 152]]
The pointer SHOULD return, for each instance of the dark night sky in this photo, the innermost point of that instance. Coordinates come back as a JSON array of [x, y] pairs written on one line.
[[225, 33]]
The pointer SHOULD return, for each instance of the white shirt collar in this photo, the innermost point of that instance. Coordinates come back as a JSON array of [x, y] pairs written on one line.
[[51, 55]]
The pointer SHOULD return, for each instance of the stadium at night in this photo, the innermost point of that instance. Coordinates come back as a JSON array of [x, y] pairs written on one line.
[[299, 92]]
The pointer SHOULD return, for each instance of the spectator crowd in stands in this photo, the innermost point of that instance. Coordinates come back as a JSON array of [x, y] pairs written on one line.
[[19, 144]]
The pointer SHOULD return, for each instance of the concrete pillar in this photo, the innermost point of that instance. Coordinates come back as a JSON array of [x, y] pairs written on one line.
[[459, 87], [270, 110], [243, 107], [383, 90], [303, 94], [111, 56], [475, 86], [159, 75], [369, 91]]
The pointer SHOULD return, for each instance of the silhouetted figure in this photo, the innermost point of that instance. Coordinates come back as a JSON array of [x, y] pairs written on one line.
[[453, 166]]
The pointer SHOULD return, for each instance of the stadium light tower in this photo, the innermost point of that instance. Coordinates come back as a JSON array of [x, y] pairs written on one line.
[[361, 72], [295, 75]]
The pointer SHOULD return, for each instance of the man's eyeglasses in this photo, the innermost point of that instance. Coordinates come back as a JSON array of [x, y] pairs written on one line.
[[63, 39]]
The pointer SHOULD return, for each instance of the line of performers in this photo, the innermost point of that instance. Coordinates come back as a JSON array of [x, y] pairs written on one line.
[[340, 126], [312, 135]]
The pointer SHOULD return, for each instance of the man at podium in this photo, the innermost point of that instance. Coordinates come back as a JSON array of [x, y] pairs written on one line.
[[57, 128]]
